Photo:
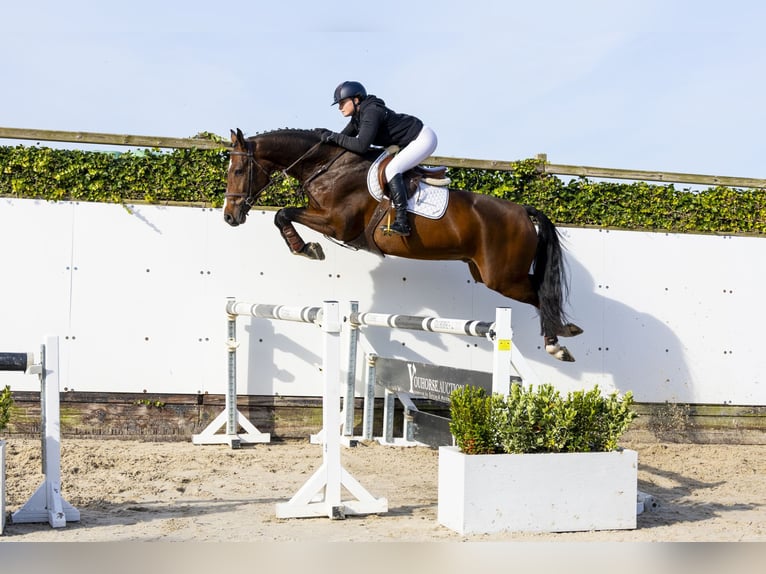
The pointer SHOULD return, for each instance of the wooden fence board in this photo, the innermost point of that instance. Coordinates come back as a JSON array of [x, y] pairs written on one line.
[[547, 168], [123, 415]]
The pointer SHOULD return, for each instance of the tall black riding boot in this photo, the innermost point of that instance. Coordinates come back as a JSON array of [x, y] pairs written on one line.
[[399, 198]]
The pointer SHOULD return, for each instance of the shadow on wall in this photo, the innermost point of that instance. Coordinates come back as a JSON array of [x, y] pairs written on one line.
[[622, 347], [625, 346], [628, 348], [269, 348]]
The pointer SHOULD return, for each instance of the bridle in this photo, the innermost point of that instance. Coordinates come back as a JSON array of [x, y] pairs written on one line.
[[248, 194], [251, 196]]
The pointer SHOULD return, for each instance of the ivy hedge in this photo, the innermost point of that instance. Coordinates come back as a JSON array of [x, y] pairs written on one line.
[[199, 177]]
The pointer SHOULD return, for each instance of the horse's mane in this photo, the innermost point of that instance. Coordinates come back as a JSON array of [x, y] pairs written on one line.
[[313, 135], [310, 133]]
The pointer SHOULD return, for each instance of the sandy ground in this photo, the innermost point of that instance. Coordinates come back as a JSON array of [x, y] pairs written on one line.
[[176, 491]]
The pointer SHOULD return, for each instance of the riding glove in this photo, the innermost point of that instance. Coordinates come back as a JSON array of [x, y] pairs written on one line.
[[327, 135]]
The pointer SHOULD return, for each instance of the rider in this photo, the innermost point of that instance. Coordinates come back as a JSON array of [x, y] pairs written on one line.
[[372, 123]]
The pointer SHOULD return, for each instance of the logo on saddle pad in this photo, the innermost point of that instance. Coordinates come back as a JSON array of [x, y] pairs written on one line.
[[428, 200]]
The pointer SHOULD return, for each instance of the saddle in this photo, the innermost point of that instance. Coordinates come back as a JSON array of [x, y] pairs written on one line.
[[436, 175], [427, 196]]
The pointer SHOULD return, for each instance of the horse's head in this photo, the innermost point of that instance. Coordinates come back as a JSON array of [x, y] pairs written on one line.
[[295, 152], [245, 181]]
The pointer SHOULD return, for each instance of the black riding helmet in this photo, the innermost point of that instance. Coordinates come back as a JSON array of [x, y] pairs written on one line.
[[349, 90]]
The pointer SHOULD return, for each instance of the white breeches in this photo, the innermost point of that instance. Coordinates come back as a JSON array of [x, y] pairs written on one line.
[[413, 153]]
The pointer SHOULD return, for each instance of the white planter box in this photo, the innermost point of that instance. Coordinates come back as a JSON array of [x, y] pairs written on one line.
[[2, 486], [562, 492]]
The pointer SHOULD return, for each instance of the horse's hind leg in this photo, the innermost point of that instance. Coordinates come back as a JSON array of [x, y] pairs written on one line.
[[558, 351], [295, 242], [524, 291]]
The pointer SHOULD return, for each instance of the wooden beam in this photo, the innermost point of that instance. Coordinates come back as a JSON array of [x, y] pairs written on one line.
[[469, 163], [109, 139], [603, 172], [640, 175], [545, 167]]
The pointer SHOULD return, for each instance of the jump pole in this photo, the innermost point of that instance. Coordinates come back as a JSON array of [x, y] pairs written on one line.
[[47, 504]]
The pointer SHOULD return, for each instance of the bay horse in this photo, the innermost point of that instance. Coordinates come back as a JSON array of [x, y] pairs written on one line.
[[495, 237]]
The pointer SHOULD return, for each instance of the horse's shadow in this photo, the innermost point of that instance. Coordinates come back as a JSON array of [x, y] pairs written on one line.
[[622, 348], [430, 288], [675, 502], [263, 376]]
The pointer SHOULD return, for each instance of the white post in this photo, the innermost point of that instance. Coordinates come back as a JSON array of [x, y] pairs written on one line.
[[506, 355], [502, 351], [46, 504], [330, 407], [348, 400]]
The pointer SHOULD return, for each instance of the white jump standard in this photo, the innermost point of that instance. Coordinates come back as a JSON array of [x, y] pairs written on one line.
[[230, 416], [321, 493], [46, 504]]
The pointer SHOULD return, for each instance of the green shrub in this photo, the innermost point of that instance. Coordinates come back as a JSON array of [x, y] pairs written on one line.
[[532, 420], [474, 420], [6, 401]]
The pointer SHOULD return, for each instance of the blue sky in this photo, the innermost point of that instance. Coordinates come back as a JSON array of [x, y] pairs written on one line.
[[660, 85]]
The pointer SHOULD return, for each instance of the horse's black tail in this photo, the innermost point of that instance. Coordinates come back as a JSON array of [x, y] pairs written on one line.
[[549, 275]]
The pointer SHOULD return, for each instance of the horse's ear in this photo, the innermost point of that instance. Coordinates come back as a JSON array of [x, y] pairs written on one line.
[[238, 138]]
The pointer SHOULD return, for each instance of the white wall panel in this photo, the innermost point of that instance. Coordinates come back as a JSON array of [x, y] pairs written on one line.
[[138, 297]]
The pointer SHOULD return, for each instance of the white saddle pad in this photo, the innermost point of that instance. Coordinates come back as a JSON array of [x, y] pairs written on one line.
[[429, 200]]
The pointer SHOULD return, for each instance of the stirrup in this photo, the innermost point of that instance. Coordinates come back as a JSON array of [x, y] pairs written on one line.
[[396, 228]]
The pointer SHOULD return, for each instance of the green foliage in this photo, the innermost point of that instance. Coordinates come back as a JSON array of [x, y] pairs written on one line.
[[153, 176], [637, 206], [538, 420], [6, 402], [535, 421], [599, 420], [151, 403], [473, 420], [199, 176]]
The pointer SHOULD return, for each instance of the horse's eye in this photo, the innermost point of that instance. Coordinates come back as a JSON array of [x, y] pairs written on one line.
[[239, 171]]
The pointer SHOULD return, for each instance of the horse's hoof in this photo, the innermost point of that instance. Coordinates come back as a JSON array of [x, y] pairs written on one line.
[[570, 330], [565, 355], [560, 353], [312, 251]]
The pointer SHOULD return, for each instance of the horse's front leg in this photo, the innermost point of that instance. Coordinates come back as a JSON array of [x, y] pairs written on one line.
[[284, 222]]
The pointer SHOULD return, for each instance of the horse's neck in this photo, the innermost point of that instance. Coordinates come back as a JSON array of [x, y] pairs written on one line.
[[287, 154], [300, 162]]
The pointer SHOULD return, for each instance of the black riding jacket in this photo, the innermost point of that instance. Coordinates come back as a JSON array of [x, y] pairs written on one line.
[[375, 124]]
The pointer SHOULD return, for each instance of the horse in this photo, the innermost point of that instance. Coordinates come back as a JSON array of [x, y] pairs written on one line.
[[497, 238]]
